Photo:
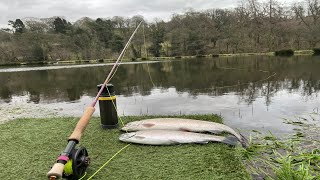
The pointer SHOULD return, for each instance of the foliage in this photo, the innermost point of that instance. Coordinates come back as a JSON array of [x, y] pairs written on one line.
[[286, 52], [316, 51], [135, 52], [253, 26], [117, 43], [17, 25], [38, 53], [60, 25], [157, 34]]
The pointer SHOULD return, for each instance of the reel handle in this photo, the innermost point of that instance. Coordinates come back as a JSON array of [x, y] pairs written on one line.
[[82, 124], [56, 171]]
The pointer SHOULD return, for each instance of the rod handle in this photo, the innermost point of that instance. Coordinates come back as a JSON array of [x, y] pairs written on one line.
[[82, 124], [56, 171]]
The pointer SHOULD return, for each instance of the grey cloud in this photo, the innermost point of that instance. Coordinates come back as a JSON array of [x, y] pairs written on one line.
[[75, 9]]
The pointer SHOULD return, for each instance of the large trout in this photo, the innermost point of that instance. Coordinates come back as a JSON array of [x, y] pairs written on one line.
[[178, 124], [168, 137]]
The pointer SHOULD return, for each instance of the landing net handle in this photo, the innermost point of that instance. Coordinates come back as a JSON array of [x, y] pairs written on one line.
[[57, 169]]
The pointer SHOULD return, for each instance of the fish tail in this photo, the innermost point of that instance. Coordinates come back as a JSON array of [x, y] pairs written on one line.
[[231, 140], [244, 142]]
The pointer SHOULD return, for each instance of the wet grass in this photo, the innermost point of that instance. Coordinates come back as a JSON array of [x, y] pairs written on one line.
[[29, 148], [295, 157]]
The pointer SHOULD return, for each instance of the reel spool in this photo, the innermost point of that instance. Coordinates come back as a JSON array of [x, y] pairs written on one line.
[[76, 166]]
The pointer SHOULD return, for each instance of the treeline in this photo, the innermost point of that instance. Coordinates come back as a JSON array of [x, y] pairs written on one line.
[[251, 27]]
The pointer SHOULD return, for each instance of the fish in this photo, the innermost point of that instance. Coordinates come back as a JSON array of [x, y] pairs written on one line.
[[169, 137], [189, 125]]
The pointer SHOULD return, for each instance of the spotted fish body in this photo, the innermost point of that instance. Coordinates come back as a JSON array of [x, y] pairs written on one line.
[[178, 124], [168, 137]]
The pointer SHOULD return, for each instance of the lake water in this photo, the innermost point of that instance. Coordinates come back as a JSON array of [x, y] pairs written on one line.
[[248, 92]]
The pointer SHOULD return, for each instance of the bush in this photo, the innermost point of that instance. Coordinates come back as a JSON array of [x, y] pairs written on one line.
[[215, 55], [200, 56], [144, 58], [178, 57], [316, 51], [38, 53], [285, 52]]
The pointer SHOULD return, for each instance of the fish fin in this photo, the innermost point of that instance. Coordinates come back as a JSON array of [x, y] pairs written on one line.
[[215, 132], [202, 142], [140, 137], [148, 125], [185, 129], [231, 140], [174, 142], [244, 142]]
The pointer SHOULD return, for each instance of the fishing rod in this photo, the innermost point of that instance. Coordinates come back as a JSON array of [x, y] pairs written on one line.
[[73, 162]]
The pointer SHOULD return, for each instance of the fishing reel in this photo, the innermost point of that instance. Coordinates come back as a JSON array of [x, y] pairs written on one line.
[[77, 164]]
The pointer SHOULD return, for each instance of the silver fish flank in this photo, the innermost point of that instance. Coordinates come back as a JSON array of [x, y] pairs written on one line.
[[189, 125], [168, 137]]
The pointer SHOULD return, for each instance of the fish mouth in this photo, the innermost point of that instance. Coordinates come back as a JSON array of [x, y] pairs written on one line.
[[126, 136], [124, 129], [127, 127]]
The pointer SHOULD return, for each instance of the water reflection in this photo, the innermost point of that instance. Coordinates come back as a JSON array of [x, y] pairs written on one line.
[[229, 84], [213, 77]]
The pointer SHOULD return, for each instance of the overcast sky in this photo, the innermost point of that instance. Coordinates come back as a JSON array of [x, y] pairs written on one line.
[[73, 10]]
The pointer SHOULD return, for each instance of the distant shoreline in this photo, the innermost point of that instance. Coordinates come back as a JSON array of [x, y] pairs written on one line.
[[26, 63]]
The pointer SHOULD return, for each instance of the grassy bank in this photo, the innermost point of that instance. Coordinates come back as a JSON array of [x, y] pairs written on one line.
[[293, 157], [95, 61], [29, 148]]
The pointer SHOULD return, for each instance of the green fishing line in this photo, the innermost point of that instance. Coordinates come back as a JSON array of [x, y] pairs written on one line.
[[68, 168]]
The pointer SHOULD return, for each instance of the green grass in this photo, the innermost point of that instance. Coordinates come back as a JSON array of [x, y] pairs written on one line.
[[29, 148], [296, 157]]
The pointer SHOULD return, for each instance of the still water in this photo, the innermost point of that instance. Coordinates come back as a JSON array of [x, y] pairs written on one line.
[[248, 92]]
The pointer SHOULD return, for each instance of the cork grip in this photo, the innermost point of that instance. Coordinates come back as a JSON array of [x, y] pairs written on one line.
[[82, 124], [56, 171]]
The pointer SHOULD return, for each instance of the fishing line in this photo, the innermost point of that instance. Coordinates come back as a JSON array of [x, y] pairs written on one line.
[[150, 76], [85, 173], [118, 116], [112, 100], [115, 107], [146, 55], [114, 68], [144, 41], [240, 84], [147, 63], [242, 69], [58, 168], [110, 76], [107, 162], [101, 167]]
